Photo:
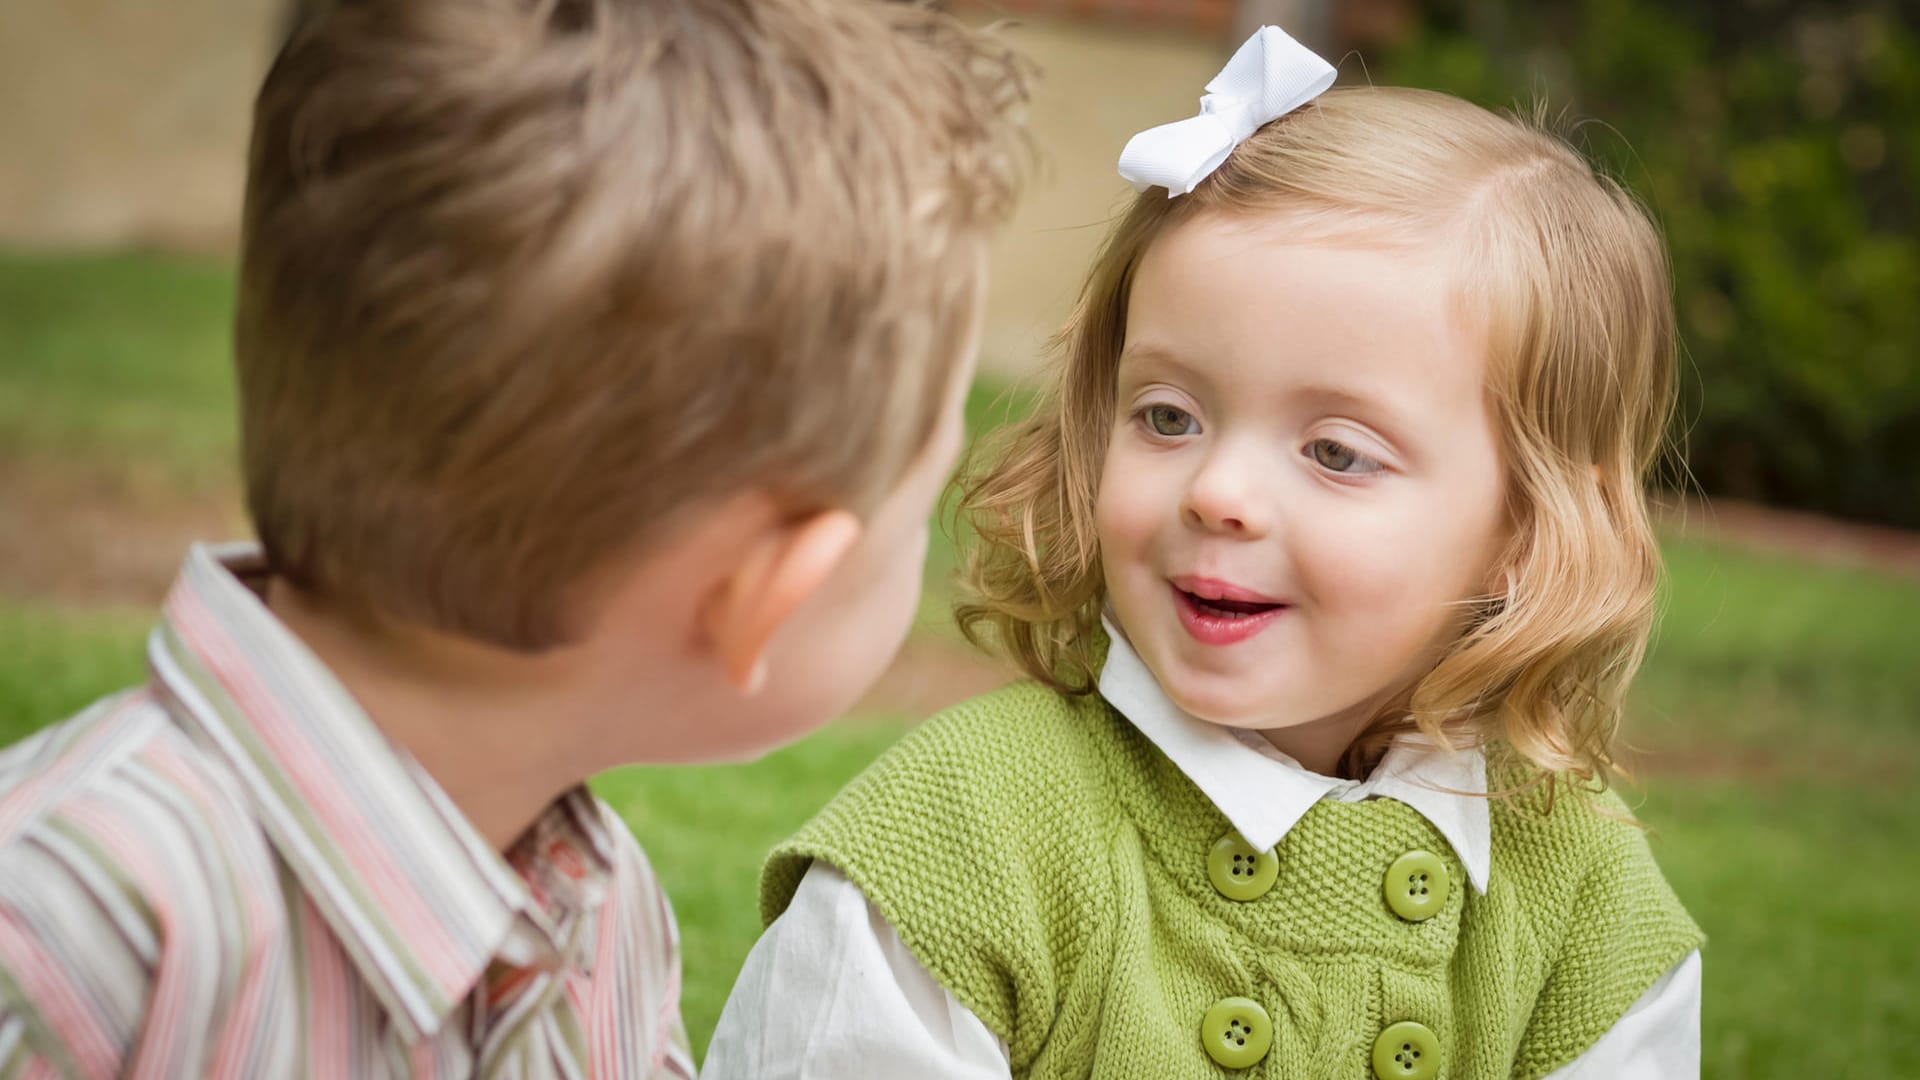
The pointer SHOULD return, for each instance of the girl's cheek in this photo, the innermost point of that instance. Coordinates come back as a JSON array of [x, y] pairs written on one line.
[[1118, 521], [1123, 508], [1367, 558]]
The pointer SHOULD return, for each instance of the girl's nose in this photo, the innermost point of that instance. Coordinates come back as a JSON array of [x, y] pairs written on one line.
[[1226, 497]]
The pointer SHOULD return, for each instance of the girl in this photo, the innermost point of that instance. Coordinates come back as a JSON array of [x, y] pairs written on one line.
[[1329, 559]]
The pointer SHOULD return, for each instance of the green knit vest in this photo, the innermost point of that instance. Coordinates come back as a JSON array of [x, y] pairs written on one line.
[[1049, 866]]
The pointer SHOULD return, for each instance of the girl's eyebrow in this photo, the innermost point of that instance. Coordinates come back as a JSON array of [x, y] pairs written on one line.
[[1341, 397], [1379, 411], [1156, 357]]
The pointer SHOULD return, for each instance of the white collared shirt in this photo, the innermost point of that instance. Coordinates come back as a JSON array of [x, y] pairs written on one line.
[[1263, 792], [831, 993]]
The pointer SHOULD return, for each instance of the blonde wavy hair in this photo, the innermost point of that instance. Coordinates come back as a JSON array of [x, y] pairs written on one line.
[[1570, 277]]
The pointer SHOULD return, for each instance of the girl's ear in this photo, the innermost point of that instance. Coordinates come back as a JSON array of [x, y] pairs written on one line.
[[1503, 570], [781, 569], [1501, 587]]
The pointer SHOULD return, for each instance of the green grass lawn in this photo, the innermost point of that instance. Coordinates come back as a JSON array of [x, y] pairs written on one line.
[[1790, 694], [1780, 707], [123, 360]]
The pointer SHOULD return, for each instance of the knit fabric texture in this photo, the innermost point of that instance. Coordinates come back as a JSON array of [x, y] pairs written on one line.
[[1049, 866]]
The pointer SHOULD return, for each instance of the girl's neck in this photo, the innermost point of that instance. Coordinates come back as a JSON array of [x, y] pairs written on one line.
[[1326, 746], [1319, 746]]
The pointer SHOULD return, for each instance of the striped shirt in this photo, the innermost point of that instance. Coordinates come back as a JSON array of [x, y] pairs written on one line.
[[230, 872]]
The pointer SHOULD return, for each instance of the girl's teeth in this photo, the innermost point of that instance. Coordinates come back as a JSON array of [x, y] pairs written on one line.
[[1230, 609]]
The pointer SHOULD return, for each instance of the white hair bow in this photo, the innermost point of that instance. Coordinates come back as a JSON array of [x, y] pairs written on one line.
[[1271, 75]]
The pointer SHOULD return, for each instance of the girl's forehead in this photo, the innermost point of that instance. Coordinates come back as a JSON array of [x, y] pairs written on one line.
[[1251, 326], [1224, 298]]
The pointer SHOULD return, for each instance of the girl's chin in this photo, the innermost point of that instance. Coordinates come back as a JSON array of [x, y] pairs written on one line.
[[1251, 712], [1207, 688], [1266, 709]]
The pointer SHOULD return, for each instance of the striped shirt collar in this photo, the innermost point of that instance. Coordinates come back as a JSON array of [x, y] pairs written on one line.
[[1264, 793], [416, 896]]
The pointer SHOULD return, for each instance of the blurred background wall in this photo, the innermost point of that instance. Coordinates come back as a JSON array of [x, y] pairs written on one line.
[[123, 122], [1777, 142]]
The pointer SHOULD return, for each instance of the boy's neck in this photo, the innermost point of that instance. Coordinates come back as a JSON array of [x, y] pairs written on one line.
[[503, 733]]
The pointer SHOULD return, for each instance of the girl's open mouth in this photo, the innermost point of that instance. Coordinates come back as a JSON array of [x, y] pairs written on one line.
[[1228, 609], [1217, 620]]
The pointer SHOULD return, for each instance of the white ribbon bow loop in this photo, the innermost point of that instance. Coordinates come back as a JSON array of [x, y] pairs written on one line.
[[1270, 76]]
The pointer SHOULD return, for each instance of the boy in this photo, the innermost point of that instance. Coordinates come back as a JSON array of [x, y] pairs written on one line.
[[599, 364]]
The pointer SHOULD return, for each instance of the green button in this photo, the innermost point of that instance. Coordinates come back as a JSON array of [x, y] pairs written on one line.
[[1416, 885], [1236, 1032], [1406, 1051], [1238, 871]]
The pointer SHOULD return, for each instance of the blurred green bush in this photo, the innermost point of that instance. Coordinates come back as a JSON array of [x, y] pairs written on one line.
[[1778, 144]]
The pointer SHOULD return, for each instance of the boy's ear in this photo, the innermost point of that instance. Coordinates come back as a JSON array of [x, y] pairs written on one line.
[[787, 564]]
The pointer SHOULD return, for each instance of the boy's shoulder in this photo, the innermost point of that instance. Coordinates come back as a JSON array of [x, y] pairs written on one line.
[[122, 848], [123, 757]]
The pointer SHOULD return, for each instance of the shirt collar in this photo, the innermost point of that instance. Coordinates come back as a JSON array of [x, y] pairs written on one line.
[[1263, 792], [418, 899]]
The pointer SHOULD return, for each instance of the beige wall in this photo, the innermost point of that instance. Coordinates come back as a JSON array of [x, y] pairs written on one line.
[[1098, 87], [124, 121]]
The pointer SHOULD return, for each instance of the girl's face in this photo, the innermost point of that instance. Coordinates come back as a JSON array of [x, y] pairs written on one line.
[[1303, 481]]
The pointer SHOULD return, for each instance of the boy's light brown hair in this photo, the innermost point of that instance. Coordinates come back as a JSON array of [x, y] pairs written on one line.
[[522, 280]]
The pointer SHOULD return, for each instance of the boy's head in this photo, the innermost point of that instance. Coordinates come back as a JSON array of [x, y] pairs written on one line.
[[526, 283]]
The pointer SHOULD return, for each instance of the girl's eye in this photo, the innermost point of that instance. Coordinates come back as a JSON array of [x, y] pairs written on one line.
[[1340, 458], [1170, 420]]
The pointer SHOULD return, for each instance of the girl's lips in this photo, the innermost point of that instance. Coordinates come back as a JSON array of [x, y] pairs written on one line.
[[1224, 621], [1207, 588]]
